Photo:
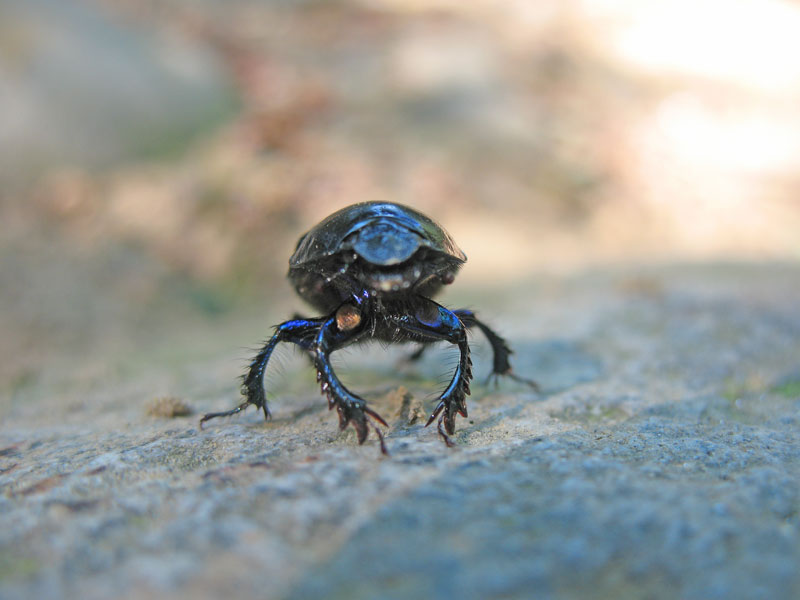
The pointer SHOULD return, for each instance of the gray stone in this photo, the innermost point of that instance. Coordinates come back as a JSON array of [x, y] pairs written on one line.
[[661, 461]]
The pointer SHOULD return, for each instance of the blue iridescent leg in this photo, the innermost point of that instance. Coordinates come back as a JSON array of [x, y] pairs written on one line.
[[500, 350], [430, 323], [298, 331], [337, 332]]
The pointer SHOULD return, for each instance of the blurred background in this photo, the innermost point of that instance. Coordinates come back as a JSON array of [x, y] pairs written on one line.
[[159, 159]]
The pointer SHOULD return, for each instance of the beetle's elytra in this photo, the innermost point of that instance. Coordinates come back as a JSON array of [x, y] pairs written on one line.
[[371, 269]]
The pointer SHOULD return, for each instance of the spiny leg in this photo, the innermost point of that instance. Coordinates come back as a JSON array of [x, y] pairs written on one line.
[[432, 322], [297, 331], [454, 398], [336, 332], [501, 364]]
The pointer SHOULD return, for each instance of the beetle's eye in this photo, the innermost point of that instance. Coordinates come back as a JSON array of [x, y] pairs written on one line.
[[448, 278], [428, 314]]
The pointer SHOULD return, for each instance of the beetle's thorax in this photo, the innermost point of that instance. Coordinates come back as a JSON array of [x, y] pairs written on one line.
[[425, 272]]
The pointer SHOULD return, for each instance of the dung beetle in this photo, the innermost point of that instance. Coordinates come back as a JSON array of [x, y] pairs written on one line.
[[371, 269]]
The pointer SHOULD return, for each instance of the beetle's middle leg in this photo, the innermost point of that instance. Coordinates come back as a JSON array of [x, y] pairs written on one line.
[[299, 331]]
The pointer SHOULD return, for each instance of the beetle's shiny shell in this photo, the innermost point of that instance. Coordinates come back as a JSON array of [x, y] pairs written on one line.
[[382, 233]]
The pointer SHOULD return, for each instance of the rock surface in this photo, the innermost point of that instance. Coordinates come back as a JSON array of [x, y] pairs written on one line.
[[661, 460]]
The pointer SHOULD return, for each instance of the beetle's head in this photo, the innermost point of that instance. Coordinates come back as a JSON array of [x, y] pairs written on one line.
[[388, 258], [424, 273]]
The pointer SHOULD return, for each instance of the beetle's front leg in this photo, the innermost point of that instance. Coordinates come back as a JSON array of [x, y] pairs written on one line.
[[299, 331], [343, 328], [432, 322]]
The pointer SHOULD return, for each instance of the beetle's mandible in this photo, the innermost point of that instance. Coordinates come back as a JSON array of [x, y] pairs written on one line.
[[371, 270]]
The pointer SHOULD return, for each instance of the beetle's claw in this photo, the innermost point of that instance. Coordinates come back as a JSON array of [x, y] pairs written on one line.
[[447, 440], [446, 422], [379, 433], [357, 418], [435, 412], [375, 416], [357, 413], [449, 417], [446, 410]]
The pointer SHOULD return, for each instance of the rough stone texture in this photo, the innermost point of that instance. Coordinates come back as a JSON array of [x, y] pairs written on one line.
[[662, 460]]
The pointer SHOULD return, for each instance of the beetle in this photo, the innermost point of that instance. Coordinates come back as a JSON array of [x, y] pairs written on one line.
[[371, 269]]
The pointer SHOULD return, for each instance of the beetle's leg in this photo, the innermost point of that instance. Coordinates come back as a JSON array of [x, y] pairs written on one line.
[[431, 323], [500, 349], [299, 331], [344, 327], [310, 355]]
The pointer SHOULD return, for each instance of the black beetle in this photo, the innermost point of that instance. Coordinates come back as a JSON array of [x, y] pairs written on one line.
[[371, 269]]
